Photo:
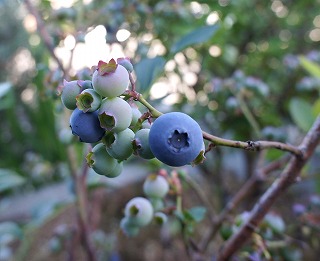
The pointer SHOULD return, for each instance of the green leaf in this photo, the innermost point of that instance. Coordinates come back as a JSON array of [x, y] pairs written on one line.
[[197, 214], [147, 70], [316, 108], [6, 95], [9, 179], [301, 113], [311, 67], [197, 36]]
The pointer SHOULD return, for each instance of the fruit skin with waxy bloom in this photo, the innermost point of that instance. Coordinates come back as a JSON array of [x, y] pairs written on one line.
[[69, 93], [175, 139], [86, 126], [141, 144], [102, 163], [139, 211], [110, 79], [115, 114], [155, 186]]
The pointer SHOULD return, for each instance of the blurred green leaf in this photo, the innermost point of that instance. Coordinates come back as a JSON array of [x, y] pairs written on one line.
[[147, 70], [301, 113], [9, 179], [6, 95], [311, 67], [316, 108], [197, 214], [197, 36]]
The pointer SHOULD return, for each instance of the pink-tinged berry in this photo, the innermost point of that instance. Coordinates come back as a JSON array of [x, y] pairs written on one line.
[[110, 79]]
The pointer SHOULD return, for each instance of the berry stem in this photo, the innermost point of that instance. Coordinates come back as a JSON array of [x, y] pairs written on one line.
[[217, 141]]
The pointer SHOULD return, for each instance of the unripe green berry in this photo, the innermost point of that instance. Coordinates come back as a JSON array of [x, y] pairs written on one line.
[[136, 114], [88, 100], [85, 84], [125, 62], [157, 203], [160, 218], [119, 145], [128, 228], [115, 114], [69, 93], [102, 163], [155, 186], [140, 211], [110, 79], [141, 144]]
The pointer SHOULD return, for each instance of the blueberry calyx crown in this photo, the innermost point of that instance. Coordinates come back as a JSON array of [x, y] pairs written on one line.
[[178, 140]]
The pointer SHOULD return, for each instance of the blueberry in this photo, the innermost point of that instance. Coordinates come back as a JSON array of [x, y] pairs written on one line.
[[140, 211], [119, 145], [69, 93], [86, 126], [88, 100], [128, 228], [102, 163], [175, 139], [110, 79], [115, 114], [136, 114], [141, 144], [125, 62], [155, 186]]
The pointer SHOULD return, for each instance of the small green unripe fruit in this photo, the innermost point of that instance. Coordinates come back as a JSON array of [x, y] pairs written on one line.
[[102, 163], [141, 144], [140, 211], [136, 114], [115, 114], [155, 186], [88, 100], [110, 79], [160, 218], [128, 228], [125, 62], [69, 93], [119, 145]]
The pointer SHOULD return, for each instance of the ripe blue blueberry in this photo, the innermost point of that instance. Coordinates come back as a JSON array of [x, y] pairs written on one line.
[[175, 139], [86, 126]]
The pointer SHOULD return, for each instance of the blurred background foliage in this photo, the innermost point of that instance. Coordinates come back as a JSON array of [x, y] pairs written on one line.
[[243, 69]]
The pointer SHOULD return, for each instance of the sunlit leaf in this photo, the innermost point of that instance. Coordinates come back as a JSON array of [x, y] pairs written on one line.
[[301, 113], [311, 67], [197, 36], [9, 179], [147, 70]]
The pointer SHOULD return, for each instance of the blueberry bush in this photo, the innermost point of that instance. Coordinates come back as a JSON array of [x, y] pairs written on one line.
[[159, 130]]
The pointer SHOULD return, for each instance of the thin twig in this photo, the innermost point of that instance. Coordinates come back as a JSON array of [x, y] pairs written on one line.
[[45, 36], [217, 141], [242, 193], [252, 145], [286, 179]]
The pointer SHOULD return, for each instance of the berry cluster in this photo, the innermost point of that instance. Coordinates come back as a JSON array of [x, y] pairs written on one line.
[[106, 117], [139, 211]]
